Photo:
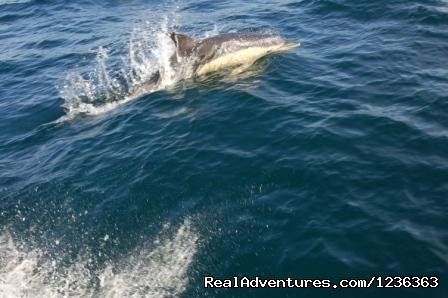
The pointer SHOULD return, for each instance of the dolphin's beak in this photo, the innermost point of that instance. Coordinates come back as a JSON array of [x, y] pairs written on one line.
[[290, 45]]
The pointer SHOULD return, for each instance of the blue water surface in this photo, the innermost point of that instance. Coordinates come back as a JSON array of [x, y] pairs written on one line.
[[329, 161]]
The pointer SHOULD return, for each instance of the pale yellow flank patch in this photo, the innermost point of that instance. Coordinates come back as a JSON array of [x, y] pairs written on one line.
[[242, 57]]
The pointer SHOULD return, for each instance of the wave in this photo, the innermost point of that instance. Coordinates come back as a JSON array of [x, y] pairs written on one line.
[[157, 269]]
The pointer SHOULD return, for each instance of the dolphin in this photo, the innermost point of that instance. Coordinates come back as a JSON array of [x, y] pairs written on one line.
[[226, 51], [237, 51]]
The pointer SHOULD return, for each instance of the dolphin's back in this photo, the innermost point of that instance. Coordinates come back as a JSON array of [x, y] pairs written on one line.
[[219, 40], [208, 48], [237, 36]]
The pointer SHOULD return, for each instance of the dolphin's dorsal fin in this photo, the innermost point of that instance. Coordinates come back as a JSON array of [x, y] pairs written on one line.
[[184, 44]]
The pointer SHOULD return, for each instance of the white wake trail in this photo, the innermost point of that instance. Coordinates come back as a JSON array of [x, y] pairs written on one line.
[[157, 269]]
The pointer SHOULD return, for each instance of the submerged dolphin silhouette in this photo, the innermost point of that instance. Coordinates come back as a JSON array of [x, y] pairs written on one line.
[[226, 50]]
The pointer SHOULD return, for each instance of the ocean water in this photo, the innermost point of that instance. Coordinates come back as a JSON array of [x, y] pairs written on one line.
[[329, 161]]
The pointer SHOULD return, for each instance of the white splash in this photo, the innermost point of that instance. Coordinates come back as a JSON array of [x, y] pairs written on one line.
[[155, 270], [149, 51], [161, 272], [26, 273]]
